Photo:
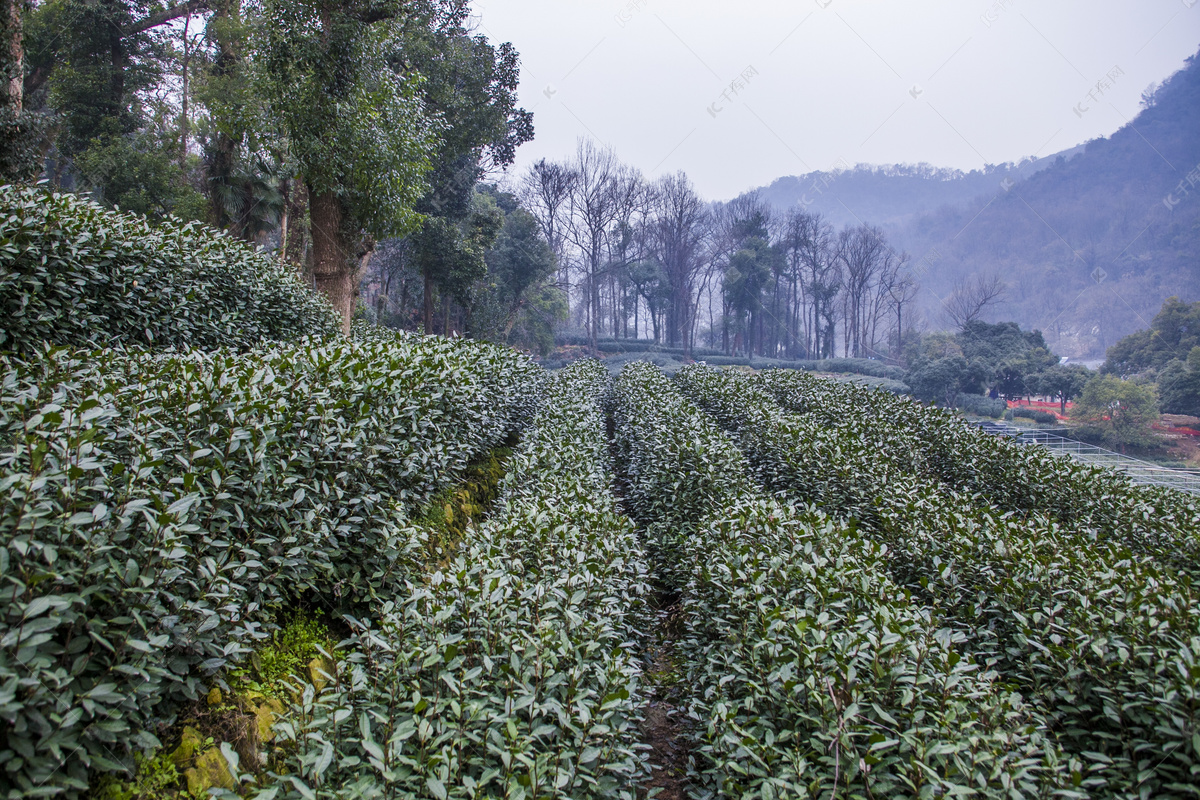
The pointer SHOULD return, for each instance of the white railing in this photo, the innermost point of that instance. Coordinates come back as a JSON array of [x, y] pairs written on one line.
[[1139, 471]]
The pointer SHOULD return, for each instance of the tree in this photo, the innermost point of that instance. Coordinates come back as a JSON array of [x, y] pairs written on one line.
[[972, 297], [748, 275], [813, 255], [354, 126], [600, 192], [518, 294], [869, 267], [1005, 354], [471, 87], [1179, 386], [939, 370], [677, 231], [940, 379], [1062, 382], [1173, 332], [1117, 412], [20, 130]]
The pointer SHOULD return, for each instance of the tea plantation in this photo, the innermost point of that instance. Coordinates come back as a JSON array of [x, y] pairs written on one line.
[[242, 555]]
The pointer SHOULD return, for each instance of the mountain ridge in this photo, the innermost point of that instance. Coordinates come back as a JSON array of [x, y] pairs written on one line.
[[1089, 241]]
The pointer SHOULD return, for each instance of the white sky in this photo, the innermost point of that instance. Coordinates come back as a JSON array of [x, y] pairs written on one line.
[[956, 83]]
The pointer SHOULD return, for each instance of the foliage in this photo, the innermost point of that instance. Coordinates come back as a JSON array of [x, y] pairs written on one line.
[[1117, 412], [1179, 386], [980, 405], [290, 648], [510, 671], [139, 174], [158, 510], [816, 672], [1080, 616], [1038, 416], [979, 359], [1012, 477], [21, 137], [677, 465], [810, 670], [154, 779], [517, 303], [450, 512], [1062, 382], [354, 125], [73, 273], [1173, 332]]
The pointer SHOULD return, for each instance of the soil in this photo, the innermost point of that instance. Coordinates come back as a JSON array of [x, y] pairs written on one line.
[[1181, 446], [663, 727]]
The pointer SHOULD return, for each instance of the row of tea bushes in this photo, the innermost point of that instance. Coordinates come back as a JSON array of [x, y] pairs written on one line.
[[811, 670], [1011, 476], [1103, 639], [510, 670], [159, 509], [821, 676], [73, 273]]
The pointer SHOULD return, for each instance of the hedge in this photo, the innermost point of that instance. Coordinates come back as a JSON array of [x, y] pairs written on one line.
[[73, 273], [160, 509]]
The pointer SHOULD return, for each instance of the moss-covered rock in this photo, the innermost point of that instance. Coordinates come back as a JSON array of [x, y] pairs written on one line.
[[210, 770], [190, 744], [265, 714]]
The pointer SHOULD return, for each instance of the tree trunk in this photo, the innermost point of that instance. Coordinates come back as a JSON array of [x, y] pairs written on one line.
[[294, 241], [183, 95], [14, 44], [333, 268], [220, 167], [427, 308]]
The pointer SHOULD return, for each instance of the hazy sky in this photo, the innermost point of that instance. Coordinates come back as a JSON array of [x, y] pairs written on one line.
[[738, 94]]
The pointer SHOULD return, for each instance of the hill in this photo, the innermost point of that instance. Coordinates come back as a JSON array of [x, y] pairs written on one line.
[[1090, 241]]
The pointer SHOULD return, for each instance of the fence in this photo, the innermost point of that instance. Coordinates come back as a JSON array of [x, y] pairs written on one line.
[[1139, 471]]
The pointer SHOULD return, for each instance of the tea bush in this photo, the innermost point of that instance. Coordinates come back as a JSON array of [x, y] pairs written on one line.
[[811, 670], [1014, 477], [511, 671], [1101, 638], [159, 509], [73, 273], [983, 406]]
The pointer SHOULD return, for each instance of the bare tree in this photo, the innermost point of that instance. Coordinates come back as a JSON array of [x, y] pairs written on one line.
[[972, 296], [901, 292], [863, 253], [597, 199], [678, 229], [810, 250], [545, 191]]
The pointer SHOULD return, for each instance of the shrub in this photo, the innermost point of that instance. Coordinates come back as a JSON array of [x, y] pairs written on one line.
[[509, 672], [1038, 416], [981, 405], [73, 273], [807, 667], [1094, 622], [158, 510]]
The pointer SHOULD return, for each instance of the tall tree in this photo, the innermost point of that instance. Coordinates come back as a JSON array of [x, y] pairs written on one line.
[[19, 151], [354, 125], [470, 85], [598, 193], [678, 230]]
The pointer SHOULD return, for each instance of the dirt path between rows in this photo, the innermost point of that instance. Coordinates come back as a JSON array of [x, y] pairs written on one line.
[[664, 721]]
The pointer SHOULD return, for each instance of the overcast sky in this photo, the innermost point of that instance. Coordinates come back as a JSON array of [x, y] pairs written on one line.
[[738, 94]]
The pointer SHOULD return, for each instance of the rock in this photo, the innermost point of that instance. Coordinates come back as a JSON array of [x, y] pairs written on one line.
[[214, 697], [320, 671], [188, 747], [265, 715], [210, 770]]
